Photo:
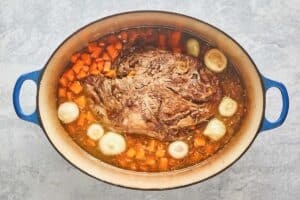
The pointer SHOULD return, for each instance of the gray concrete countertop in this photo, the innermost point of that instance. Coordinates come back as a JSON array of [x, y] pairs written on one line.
[[30, 31]]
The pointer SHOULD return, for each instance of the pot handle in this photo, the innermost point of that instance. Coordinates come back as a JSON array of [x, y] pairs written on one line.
[[268, 83], [33, 117]]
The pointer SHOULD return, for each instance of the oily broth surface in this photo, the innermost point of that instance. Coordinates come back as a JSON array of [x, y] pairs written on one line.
[[144, 153]]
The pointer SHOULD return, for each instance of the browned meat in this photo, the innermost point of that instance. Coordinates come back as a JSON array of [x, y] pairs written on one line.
[[167, 97]]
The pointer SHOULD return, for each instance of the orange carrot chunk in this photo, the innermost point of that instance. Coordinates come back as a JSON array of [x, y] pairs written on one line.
[[140, 155], [69, 75], [62, 92], [81, 119], [112, 39], [94, 69], [75, 57], [106, 57], [160, 153], [199, 141], [96, 53], [100, 66], [90, 117], [77, 66], [63, 81], [112, 51], [133, 35], [119, 45], [111, 73], [76, 87], [162, 41], [130, 152], [80, 101], [107, 66], [86, 58], [69, 95], [90, 143], [175, 39], [92, 46], [163, 164], [82, 74]]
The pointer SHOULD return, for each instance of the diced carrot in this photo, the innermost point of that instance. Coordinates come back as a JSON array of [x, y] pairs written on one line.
[[130, 141], [172, 162], [75, 57], [71, 129], [90, 117], [96, 53], [62, 92], [132, 166], [100, 66], [107, 66], [210, 149], [151, 161], [133, 35], [143, 168], [163, 164], [77, 66], [95, 72], [140, 155], [99, 59], [94, 69], [92, 46], [199, 142], [124, 35], [175, 39], [112, 39], [122, 162], [119, 45], [162, 41], [69, 95], [90, 142], [85, 68], [69, 75], [160, 153], [76, 87], [86, 58], [82, 74], [111, 73], [130, 152], [151, 146], [112, 51], [110, 48], [81, 119], [63, 81], [106, 57], [80, 101]]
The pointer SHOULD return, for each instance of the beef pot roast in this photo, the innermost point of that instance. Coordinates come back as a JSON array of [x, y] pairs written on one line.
[[157, 93]]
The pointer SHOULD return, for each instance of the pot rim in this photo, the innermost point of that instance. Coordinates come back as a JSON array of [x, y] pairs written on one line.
[[148, 11]]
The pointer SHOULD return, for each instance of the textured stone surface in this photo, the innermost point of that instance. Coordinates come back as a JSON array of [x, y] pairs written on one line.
[[31, 169]]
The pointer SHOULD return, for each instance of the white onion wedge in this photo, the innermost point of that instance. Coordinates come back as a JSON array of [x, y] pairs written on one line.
[[193, 47], [215, 129], [68, 112], [178, 149], [215, 60], [112, 144], [95, 131], [227, 107]]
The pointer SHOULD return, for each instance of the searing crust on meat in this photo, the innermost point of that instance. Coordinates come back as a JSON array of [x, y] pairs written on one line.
[[167, 97]]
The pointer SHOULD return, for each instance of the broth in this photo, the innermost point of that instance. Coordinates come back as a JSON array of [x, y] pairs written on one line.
[[144, 153]]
